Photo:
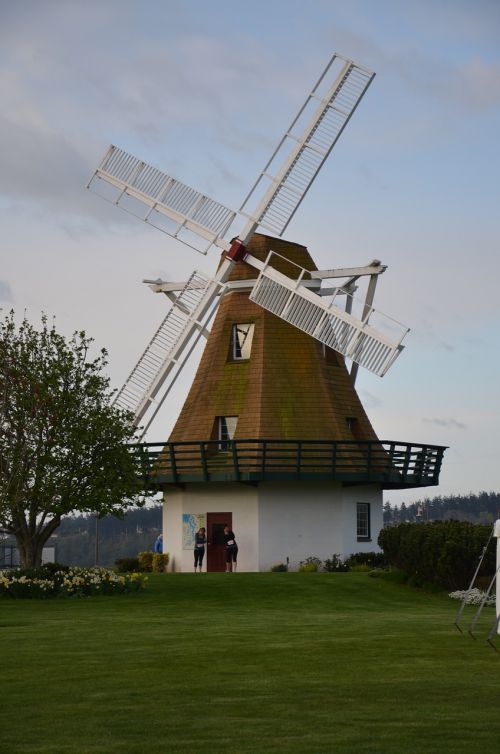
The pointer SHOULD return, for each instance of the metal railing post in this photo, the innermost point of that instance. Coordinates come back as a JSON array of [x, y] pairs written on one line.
[[173, 464], [235, 460], [204, 464]]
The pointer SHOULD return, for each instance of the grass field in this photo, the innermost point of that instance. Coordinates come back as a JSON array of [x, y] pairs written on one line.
[[267, 663]]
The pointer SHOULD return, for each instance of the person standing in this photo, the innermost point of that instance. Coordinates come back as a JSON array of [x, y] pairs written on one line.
[[200, 540], [158, 545], [231, 549]]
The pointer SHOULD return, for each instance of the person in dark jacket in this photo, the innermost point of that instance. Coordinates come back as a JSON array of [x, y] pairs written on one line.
[[231, 549], [200, 540]]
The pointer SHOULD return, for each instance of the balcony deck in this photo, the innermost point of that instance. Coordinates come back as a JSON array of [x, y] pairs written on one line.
[[394, 465]]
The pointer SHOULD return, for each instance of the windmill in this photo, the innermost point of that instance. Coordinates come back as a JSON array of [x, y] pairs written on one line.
[[299, 295], [201, 222]]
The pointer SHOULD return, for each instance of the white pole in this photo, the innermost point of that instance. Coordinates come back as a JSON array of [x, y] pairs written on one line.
[[496, 533]]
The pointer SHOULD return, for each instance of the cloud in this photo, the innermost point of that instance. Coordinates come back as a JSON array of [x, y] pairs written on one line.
[[60, 108], [448, 423], [423, 98], [5, 291], [473, 85], [427, 334], [39, 162], [369, 400], [479, 84]]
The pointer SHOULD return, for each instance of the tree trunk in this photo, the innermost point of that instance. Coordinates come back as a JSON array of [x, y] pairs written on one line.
[[31, 545], [30, 552]]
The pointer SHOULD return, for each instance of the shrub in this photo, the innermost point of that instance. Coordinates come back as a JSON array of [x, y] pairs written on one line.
[[335, 563], [125, 565], [146, 561], [393, 576], [371, 559], [439, 552], [160, 561], [45, 571], [279, 567], [310, 564]]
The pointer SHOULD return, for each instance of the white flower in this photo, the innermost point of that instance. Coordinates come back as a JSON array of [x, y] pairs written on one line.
[[473, 596]]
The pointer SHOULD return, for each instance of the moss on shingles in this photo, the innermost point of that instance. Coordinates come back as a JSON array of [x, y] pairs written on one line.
[[231, 389], [287, 390]]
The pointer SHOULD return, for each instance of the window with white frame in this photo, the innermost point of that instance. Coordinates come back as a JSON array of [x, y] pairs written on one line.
[[241, 341], [363, 523], [226, 430]]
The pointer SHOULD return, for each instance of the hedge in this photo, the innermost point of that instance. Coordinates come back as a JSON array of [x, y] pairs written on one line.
[[440, 552]]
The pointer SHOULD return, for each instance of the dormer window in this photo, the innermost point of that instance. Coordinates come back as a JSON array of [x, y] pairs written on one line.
[[226, 429], [241, 341]]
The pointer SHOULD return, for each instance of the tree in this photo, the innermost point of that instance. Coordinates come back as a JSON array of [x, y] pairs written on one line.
[[63, 446]]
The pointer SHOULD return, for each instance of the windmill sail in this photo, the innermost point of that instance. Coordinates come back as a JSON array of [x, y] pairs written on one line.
[[163, 201], [200, 222], [352, 337], [179, 331], [301, 153]]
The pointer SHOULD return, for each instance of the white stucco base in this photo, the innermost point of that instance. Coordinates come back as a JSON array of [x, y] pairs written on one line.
[[274, 521]]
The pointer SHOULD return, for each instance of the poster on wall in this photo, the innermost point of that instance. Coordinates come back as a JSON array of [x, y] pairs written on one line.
[[191, 522]]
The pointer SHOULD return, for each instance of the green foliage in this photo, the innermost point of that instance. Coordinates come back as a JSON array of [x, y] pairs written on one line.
[[146, 561], [361, 561], [63, 446], [393, 576], [279, 567], [125, 565], [444, 553], [45, 571], [335, 564], [43, 583], [482, 507], [160, 562], [371, 559], [310, 565]]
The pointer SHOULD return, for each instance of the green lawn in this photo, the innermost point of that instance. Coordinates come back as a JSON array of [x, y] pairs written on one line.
[[262, 663]]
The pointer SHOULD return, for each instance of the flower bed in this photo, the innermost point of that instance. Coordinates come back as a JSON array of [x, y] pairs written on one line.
[[473, 597], [68, 582]]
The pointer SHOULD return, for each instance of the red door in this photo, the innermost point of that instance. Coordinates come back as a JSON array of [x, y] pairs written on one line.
[[216, 550]]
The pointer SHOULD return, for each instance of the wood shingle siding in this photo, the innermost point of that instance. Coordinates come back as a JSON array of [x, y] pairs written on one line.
[[288, 388]]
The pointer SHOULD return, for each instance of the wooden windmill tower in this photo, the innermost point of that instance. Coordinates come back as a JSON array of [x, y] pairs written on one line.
[[272, 438]]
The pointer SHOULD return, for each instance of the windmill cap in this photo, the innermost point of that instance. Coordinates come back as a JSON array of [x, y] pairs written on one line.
[[285, 252]]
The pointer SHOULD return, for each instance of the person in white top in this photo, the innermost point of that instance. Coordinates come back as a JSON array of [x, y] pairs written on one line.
[[231, 549]]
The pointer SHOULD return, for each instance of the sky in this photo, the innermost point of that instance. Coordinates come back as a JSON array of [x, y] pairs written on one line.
[[205, 90]]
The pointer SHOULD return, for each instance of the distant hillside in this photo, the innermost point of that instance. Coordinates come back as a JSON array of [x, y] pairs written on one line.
[[75, 539], [482, 508]]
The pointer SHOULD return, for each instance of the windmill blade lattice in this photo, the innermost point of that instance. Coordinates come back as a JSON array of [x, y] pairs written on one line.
[[354, 338], [300, 156], [184, 321], [163, 201]]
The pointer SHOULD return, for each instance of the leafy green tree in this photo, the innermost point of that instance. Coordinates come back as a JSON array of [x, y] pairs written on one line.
[[63, 446]]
